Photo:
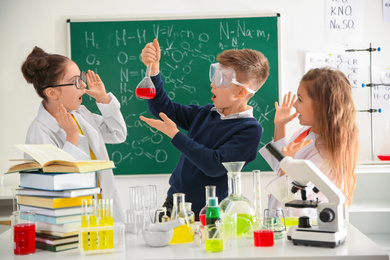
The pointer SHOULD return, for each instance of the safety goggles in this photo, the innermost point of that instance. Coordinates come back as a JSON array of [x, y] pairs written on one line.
[[223, 76]]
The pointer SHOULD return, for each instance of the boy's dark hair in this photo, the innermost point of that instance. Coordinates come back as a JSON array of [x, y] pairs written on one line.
[[42, 69], [250, 66]]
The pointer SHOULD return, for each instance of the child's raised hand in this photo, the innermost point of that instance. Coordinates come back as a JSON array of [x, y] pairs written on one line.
[[66, 122], [283, 113], [293, 148], [96, 88], [151, 53], [166, 125]]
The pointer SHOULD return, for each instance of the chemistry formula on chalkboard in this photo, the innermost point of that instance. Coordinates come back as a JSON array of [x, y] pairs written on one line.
[[188, 47]]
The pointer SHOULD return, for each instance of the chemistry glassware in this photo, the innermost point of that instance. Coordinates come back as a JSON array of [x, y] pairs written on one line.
[[257, 193], [135, 214], [23, 235], [210, 192], [150, 203], [278, 222], [235, 203], [146, 89], [183, 233]]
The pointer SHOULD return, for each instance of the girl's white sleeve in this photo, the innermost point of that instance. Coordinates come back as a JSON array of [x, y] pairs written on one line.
[[111, 123]]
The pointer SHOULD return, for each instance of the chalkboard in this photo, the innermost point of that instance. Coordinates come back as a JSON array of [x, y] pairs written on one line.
[[189, 46]]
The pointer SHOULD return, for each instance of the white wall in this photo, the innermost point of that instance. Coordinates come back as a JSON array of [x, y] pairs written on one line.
[[25, 24]]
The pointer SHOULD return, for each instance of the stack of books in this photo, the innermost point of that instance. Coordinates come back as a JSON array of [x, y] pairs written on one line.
[[54, 188]]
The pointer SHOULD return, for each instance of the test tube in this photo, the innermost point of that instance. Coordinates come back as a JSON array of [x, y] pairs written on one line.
[[110, 222], [93, 223], [102, 222], [84, 223]]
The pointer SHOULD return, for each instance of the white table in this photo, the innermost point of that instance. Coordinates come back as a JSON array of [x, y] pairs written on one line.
[[357, 246]]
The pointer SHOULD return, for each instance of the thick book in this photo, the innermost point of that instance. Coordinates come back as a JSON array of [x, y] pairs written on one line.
[[58, 182], [53, 212], [50, 158], [40, 227], [58, 220], [64, 193], [57, 248], [52, 203], [54, 240]]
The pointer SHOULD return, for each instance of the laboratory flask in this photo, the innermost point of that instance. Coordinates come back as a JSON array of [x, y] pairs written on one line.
[[181, 234], [237, 204], [210, 192]]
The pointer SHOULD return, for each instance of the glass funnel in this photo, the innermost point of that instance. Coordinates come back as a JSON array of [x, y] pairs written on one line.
[[235, 203]]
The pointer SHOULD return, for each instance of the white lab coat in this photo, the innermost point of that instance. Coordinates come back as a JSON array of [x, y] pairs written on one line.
[[308, 152], [97, 130]]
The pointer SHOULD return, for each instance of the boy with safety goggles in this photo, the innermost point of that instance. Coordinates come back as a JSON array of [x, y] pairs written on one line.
[[224, 131]]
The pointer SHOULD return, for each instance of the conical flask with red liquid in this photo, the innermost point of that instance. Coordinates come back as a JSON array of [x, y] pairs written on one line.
[[145, 89], [210, 192]]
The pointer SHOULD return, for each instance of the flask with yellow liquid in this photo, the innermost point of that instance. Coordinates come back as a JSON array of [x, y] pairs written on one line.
[[181, 234]]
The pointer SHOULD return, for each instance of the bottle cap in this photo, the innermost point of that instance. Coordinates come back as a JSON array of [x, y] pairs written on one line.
[[213, 201]]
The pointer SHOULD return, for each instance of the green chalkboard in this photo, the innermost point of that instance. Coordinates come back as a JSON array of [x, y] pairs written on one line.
[[189, 46]]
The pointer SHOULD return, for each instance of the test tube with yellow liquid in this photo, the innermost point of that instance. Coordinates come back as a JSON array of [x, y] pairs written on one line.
[[109, 222], [85, 224], [102, 223], [93, 223]]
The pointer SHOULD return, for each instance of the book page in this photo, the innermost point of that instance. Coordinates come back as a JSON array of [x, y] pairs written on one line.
[[44, 153]]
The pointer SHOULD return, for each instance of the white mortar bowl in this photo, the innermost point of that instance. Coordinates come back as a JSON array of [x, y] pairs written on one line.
[[157, 238]]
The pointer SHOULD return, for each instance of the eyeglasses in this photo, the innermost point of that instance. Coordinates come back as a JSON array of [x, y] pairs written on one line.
[[223, 76], [76, 82]]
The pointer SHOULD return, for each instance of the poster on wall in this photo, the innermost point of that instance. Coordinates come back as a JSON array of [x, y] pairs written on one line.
[[344, 20]]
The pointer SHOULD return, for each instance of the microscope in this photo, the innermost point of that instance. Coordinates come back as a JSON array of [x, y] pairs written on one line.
[[330, 230]]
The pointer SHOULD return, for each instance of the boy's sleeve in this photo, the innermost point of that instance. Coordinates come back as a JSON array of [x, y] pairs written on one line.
[[241, 146], [182, 115]]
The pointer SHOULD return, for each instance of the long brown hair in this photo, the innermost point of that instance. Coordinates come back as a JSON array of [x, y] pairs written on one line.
[[338, 140]]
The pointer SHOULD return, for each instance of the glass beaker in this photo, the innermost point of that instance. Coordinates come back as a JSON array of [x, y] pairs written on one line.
[[264, 235], [237, 204], [146, 89], [23, 225], [210, 192], [183, 233], [213, 241]]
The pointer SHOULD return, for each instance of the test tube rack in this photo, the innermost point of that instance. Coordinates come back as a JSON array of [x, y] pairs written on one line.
[[118, 239]]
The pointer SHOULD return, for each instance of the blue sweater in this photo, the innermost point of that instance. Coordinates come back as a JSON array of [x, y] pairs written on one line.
[[209, 142]]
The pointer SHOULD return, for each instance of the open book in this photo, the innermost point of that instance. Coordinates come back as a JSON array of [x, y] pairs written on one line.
[[49, 158]]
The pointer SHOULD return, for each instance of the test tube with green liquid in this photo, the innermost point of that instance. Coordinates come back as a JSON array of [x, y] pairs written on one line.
[[102, 223], [93, 223], [84, 223], [109, 222]]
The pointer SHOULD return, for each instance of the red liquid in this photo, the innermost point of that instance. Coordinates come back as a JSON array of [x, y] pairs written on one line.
[[202, 219], [263, 237], [384, 157], [24, 239], [145, 93]]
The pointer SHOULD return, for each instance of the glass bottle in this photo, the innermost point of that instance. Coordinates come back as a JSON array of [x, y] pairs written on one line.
[[213, 240], [237, 204], [210, 192]]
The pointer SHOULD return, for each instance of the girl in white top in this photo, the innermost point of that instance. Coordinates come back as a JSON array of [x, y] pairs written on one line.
[[326, 110], [65, 123]]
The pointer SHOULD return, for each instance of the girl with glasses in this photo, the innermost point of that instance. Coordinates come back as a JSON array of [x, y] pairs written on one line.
[[65, 123]]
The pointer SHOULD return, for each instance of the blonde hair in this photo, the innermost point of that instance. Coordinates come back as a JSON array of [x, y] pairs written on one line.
[[250, 65], [338, 141]]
